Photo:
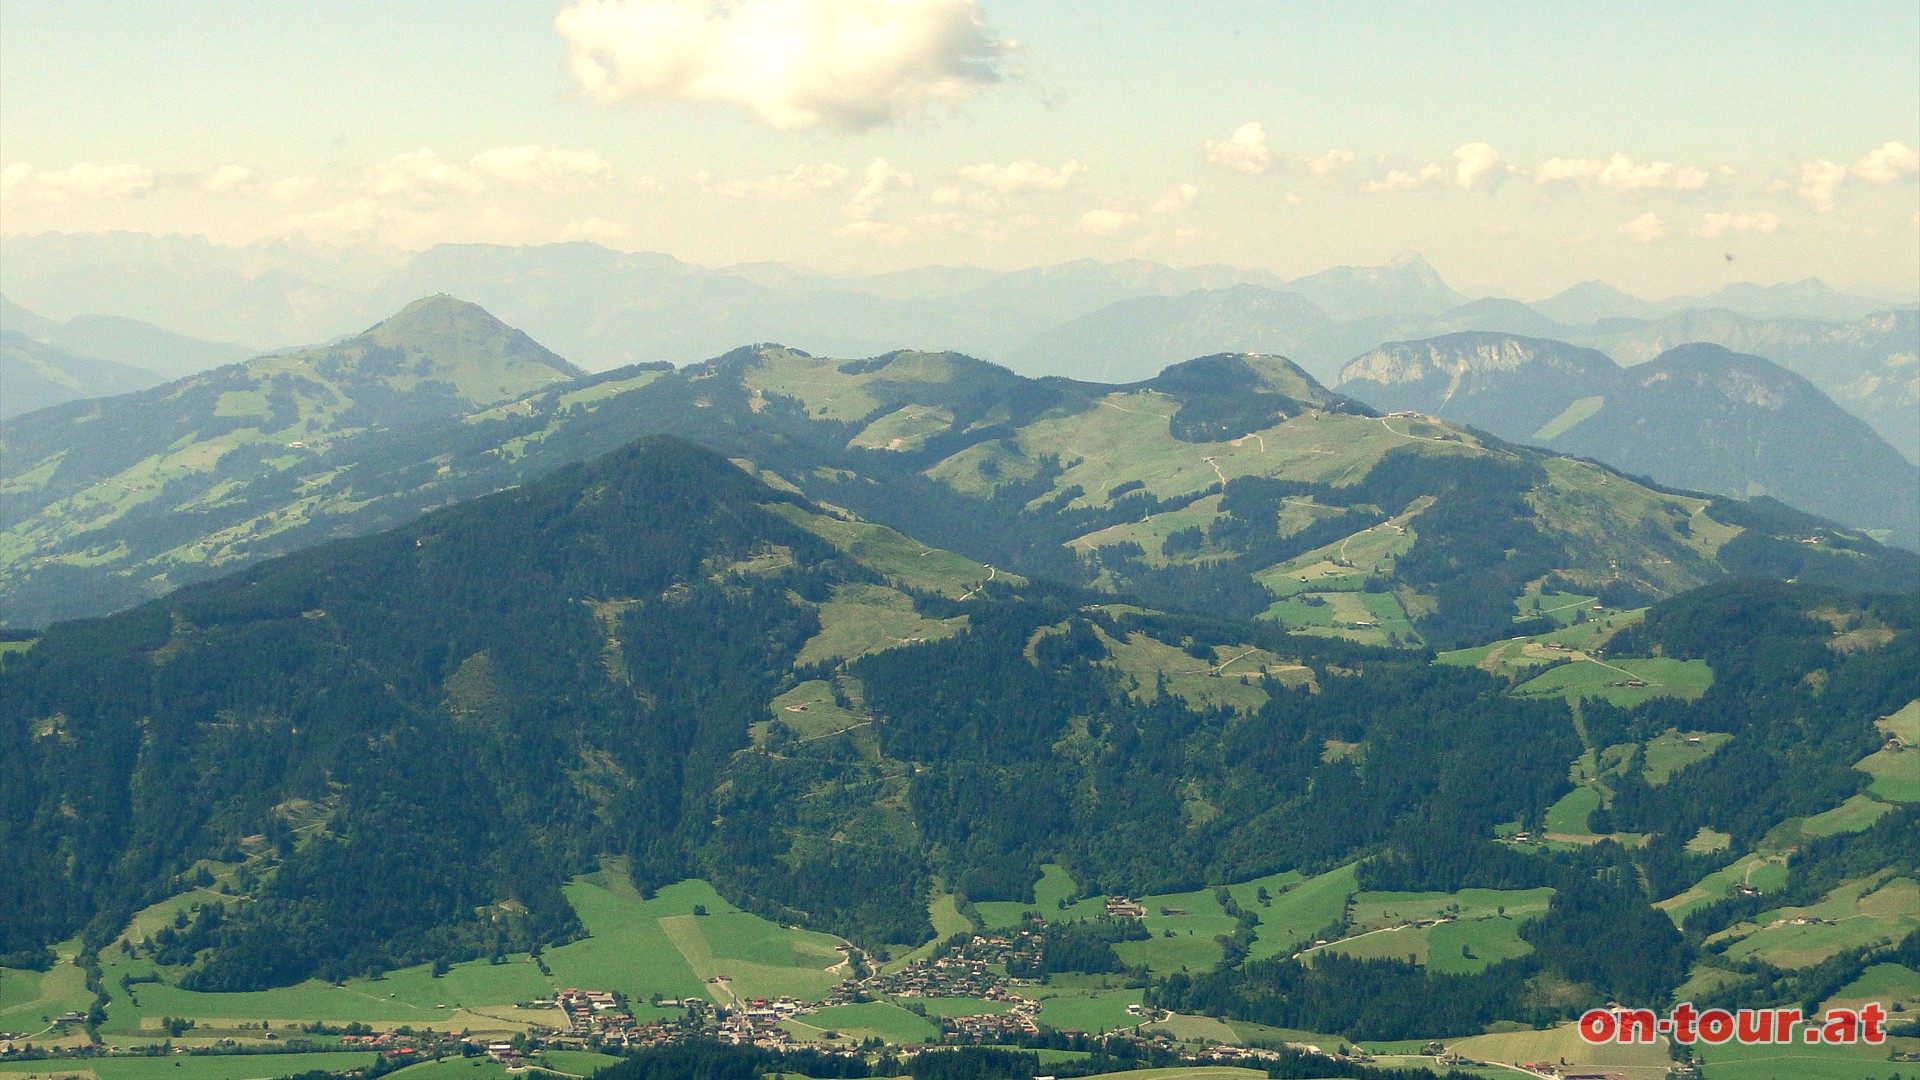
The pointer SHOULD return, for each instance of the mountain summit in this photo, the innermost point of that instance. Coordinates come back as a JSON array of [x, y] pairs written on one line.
[[181, 451], [1698, 415]]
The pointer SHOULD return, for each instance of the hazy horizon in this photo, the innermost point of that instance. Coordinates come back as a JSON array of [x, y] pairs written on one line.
[[1520, 150]]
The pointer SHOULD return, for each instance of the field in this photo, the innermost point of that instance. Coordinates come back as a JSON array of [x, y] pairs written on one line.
[[192, 1067], [808, 710], [1562, 609], [1125, 437], [1564, 1043], [1485, 927], [1855, 914], [1089, 1009], [1896, 769], [27, 996], [1202, 683], [575, 1063], [661, 945], [1369, 618], [1152, 532], [867, 1020], [1054, 887], [1516, 656], [1568, 817], [1296, 909], [1857, 813], [957, 1006], [1734, 1062], [1892, 985], [947, 921], [1661, 676], [1344, 564], [1300, 912], [638, 947], [899, 557], [864, 618], [1767, 873]]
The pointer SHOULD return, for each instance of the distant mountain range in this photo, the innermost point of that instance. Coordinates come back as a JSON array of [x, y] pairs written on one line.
[[46, 361], [1103, 321], [1697, 416], [35, 375]]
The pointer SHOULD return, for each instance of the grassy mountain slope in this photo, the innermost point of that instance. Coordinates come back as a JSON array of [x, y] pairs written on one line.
[[78, 476], [1214, 487]]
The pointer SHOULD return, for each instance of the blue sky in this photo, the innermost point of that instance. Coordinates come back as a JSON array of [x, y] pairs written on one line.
[[1521, 147]]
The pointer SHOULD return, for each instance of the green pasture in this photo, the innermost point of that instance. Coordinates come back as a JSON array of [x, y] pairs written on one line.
[[1858, 913], [1857, 813], [1732, 1061], [1663, 676], [1090, 1010], [193, 1066], [809, 711], [866, 1020], [1765, 872], [1565, 1044], [1896, 769]]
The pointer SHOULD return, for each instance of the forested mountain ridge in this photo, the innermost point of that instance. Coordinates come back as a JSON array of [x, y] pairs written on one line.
[[1697, 416], [1869, 366], [1232, 485], [615, 659], [655, 656]]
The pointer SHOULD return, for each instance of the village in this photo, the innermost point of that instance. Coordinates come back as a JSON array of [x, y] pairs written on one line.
[[967, 967]]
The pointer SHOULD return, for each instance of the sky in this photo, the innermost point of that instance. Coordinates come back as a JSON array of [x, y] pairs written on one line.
[[1667, 149]]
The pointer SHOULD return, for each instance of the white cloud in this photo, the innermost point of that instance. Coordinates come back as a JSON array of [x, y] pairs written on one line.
[[880, 176], [1291, 199], [879, 232], [854, 64], [1761, 224], [1407, 180], [1175, 199], [1620, 173], [949, 195], [1646, 228], [420, 173], [597, 229], [1887, 163], [544, 168], [1689, 178], [1623, 174], [799, 179], [21, 181], [1330, 162], [1106, 222], [1243, 151], [1022, 176], [227, 178], [290, 188], [1476, 162], [1819, 179]]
